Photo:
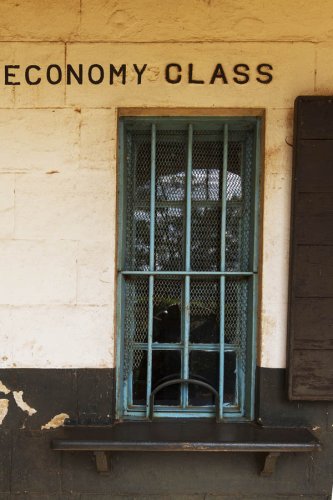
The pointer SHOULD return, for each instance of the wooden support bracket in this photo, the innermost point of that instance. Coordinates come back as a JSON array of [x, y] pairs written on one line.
[[102, 460], [269, 464]]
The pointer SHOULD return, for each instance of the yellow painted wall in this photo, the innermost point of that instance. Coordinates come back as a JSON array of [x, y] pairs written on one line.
[[58, 150]]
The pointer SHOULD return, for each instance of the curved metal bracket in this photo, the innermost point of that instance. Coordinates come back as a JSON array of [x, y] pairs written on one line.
[[184, 381]]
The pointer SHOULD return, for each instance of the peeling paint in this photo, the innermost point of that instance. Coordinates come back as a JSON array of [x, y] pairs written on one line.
[[56, 421], [18, 396], [3, 388], [3, 409]]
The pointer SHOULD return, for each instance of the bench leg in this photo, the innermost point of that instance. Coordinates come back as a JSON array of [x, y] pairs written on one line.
[[269, 464], [102, 462]]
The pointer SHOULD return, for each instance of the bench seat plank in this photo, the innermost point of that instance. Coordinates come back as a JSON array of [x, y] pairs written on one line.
[[186, 436]]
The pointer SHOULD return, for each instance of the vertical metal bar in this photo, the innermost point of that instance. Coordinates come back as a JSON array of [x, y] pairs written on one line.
[[243, 238], [256, 188], [254, 294], [120, 265], [187, 298], [130, 380], [224, 196], [151, 263], [133, 174], [222, 268], [188, 198], [252, 355], [121, 178], [186, 341]]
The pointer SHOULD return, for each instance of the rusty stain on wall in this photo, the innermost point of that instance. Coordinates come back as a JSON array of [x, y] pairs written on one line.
[[56, 421], [18, 396]]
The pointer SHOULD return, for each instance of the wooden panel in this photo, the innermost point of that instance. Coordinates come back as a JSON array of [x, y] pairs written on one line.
[[313, 218], [310, 323], [313, 271], [185, 435], [315, 117], [313, 374], [315, 166]]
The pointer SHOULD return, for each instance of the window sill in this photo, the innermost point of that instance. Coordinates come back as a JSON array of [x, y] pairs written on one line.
[[185, 435]]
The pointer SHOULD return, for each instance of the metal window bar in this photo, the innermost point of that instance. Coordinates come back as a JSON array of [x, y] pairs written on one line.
[[187, 295], [185, 347], [240, 290], [151, 261], [255, 257], [222, 259]]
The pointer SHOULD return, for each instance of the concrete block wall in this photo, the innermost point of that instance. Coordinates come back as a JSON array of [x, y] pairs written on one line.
[[57, 241], [58, 165], [58, 142]]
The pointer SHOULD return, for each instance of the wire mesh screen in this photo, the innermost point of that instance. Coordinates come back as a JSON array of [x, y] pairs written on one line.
[[206, 193], [167, 302], [171, 158], [206, 238], [136, 320], [167, 305], [205, 311], [236, 316], [238, 198], [169, 238], [207, 162], [138, 160]]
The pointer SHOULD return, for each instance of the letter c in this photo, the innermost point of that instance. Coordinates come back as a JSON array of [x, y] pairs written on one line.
[[178, 78], [27, 74]]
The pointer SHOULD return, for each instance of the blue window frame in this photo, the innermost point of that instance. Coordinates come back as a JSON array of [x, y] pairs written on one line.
[[187, 265]]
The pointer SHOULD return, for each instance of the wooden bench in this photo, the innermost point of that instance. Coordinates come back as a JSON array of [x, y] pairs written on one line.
[[189, 436]]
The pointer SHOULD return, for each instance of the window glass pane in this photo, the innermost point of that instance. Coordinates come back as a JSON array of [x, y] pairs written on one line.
[[137, 160], [171, 160], [206, 190], [205, 237], [166, 366], [204, 366], [239, 181], [136, 310], [205, 311], [169, 238], [139, 377], [236, 311], [207, 163], [230, 378], [167, 310], [139, 232], [236, 327]]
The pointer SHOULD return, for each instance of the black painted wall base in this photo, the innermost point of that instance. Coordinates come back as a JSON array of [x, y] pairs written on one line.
[[28, 466], [86, 395]]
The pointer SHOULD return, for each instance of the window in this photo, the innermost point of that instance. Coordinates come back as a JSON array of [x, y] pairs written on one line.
[[187, 265]]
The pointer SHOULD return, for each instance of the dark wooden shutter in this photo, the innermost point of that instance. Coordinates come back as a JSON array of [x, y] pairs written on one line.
[[311, 266]]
